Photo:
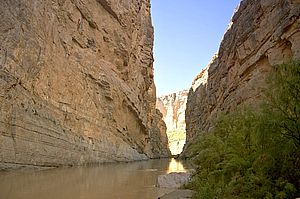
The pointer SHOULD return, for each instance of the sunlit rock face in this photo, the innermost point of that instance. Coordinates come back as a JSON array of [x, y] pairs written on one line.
[[173, 107], [76, 83], [195, 97], [262, 33]]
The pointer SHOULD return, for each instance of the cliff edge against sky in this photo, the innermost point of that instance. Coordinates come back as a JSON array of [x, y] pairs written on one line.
[[263, 33], [76, 83]]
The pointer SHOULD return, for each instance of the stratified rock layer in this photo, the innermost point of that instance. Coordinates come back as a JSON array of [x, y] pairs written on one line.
[[76, 83], [173, 107], [263, 33]]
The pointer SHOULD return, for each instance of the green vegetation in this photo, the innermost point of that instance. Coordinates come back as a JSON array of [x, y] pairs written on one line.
[[254, 154]]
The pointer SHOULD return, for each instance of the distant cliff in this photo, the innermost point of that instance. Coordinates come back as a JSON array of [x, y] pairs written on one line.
[[261, 35], [76, 83], [173, 107]]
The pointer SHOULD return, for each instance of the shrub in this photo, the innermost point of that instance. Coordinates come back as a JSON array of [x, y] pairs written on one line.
[[254, 153]]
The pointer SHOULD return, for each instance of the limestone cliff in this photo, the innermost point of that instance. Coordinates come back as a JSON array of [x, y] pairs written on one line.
[[262, 33], [173, 107], [195, 105], [76, 83]]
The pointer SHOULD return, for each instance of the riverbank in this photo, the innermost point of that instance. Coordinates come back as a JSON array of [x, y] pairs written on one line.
[[175, 181], [178, 194]]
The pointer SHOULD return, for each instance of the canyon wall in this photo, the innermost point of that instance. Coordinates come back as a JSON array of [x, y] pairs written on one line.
[[262, 33], [76, 83], [173, 107]]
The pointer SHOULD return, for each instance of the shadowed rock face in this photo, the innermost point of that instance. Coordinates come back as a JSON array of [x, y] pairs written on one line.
[[263, 33], [76, 83]]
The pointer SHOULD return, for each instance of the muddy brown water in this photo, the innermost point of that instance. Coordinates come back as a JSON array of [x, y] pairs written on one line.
[[136, 180]]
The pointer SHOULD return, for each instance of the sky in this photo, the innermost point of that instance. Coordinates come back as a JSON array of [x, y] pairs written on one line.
[[187, 33]]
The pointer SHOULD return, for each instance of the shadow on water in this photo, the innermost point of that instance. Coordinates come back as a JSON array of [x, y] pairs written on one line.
[[121, 180]]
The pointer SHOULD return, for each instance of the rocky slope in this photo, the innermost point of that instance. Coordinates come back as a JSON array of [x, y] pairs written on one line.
[[76, 83], [173, 107], [263, 33]]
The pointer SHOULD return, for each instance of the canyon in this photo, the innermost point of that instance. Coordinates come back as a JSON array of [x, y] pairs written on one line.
[[76, 83], [262, 33], [77, 88], [173, 107]]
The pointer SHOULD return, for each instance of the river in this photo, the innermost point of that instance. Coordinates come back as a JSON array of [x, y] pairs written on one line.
[[135, 180]]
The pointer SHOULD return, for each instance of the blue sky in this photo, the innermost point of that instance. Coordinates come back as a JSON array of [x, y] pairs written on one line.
[[187, 34]]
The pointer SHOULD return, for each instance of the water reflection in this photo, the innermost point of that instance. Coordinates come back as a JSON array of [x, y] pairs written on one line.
[[122, 180], [175, 166]]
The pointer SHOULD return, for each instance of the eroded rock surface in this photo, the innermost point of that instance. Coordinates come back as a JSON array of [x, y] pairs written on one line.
[[173, 180], [76, 83], [262, 33], [173, 107]]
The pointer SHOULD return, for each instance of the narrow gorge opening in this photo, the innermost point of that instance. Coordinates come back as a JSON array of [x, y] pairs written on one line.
[[173, 108], [78, 89], [185, 40]]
